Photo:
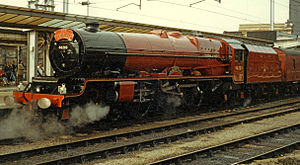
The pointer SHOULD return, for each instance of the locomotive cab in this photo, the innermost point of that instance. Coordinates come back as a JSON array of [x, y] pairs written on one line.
[[235, 53]]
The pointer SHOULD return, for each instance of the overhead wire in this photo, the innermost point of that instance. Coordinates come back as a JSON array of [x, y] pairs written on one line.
[[113, 1], [231, 10], [218, 13], [214, 12], [183, 5], [148, 16], [100, 1], [177, 4], [249, 15]]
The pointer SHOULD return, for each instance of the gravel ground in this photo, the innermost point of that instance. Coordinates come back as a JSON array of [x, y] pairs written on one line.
[[149, 155]]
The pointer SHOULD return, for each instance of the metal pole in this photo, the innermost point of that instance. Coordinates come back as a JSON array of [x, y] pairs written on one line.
[[272, 15], [88, 10], [52, 4], [140, 4], [66, 6], [32, 48], [36, 4]]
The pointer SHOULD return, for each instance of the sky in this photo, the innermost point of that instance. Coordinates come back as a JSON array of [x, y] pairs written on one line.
[[209, 15]]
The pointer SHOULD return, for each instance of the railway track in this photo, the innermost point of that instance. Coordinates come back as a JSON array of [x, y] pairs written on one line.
[[245, 150], [136, 139], [12, 141]]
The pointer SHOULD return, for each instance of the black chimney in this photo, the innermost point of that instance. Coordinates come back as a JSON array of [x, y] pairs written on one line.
[[92, 27]]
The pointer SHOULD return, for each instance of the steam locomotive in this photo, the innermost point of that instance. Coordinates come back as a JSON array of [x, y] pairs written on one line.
[[141, 71]]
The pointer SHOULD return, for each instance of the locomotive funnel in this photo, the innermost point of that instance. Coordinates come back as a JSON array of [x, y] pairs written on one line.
[[92, 27]]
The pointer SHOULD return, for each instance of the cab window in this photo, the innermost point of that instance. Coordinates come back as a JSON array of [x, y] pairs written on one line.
[[229, 52], [238, 55]]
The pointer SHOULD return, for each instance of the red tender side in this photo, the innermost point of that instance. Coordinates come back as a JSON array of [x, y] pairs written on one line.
[[263, 65]]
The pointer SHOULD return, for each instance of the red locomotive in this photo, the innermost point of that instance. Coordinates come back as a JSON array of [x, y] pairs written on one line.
[[142, 70]]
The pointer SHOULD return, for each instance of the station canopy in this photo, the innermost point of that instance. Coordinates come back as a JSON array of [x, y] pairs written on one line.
[[40, 20]]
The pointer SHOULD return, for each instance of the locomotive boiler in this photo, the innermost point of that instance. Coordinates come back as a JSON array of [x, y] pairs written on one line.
[[90, 50], [138, 73]]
